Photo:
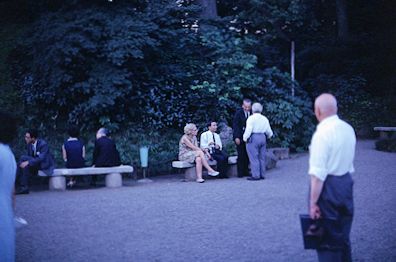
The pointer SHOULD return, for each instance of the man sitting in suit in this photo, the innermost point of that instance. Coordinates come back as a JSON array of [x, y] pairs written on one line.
[[210, 142], [238, 126], [38, 157], [105, 152]]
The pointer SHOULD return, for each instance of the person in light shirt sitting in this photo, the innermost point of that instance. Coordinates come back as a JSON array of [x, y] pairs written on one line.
[[210, 142], [258, 129]]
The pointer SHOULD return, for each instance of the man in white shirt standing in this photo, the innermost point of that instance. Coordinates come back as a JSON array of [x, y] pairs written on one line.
[[210, 142], [332, 152], [257, 131]]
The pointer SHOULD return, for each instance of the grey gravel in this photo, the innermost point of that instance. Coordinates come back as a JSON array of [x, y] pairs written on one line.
[[220, 220]]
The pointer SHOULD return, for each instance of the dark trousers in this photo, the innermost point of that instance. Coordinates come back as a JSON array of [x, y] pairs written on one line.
[[24, 174], [222, 162], [336, 201], [243, 161]]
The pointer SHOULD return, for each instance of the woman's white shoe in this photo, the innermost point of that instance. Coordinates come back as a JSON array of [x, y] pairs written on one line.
[[200, 180], [214, 173]]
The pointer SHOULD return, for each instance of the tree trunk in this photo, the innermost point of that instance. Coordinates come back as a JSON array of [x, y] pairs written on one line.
[[209, 8], [342, 19]]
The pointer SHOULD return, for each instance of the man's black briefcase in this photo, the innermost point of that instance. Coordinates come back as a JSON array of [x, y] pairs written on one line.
[[323, 233]]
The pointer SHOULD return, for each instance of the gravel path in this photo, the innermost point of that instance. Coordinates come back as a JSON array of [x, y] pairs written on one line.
[[220, 220]]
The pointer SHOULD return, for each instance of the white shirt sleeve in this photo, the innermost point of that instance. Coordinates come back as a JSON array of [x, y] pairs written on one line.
[[248, 129], [204, 143], [318, 155], [269, 132]]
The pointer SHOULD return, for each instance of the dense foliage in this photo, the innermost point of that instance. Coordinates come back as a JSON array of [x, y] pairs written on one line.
[[145, 68], [388, 145]]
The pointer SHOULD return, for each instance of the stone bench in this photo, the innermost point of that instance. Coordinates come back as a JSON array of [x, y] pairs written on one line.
[[189, 169], [385, 131], [190, 174], [232, 169], [280, 152], [57, 181]]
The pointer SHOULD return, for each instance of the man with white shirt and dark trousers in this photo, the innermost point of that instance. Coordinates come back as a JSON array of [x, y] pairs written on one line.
[[210, 142], [257, 131], [332, 152], [238, 126]]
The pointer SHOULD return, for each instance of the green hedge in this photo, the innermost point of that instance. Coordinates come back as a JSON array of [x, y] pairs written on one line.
[[388, 145]]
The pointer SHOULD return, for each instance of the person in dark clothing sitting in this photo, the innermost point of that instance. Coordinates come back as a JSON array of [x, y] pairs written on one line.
[[73, 151], [105, 152], [38, 157]]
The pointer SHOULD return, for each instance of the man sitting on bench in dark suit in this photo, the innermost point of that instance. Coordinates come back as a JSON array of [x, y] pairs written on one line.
[[38, 157], [105, 152]]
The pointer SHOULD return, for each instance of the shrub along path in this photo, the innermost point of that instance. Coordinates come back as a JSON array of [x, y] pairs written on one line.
[[220, 220]]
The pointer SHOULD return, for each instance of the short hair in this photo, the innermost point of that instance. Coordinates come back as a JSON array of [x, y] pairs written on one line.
[[257, 108], [73, 131], [33, 132], [247, 100], [7, 131], [103, 131], [189, 128], [210, 123]]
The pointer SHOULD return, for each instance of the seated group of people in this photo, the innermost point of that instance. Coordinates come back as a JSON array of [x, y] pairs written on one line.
[[38, 156], [210, 148], [251, 130]]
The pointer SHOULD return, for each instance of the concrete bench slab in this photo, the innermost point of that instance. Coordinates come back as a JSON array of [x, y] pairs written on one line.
[[232, 160], [385, 128], [189, 169], [182, 164], [385, 131], [57, 181]]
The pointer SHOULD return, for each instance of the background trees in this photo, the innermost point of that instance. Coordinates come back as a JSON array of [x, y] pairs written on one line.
[[142, 67]]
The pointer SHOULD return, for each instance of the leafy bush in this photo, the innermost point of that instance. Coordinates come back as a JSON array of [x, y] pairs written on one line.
[[356, 106], [121, 67], [388, 145], [291, 117]]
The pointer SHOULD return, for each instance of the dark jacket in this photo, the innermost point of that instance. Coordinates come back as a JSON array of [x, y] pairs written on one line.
[[239, 123], [105, 153], [43, 159]]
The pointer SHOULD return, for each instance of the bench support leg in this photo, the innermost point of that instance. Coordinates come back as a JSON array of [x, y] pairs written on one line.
[[114, 180], [57, 183], [383, 135], [232, 170], [190, 174]]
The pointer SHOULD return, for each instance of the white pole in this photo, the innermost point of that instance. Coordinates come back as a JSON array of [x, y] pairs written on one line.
[[292, 59]]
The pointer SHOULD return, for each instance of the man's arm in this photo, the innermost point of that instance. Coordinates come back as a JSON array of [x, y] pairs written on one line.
[[318, 155], [95, 153], [64, 154], [248, 130], [316, 190], [236, 126], [204, 141], [43, 154], [269, 132]]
